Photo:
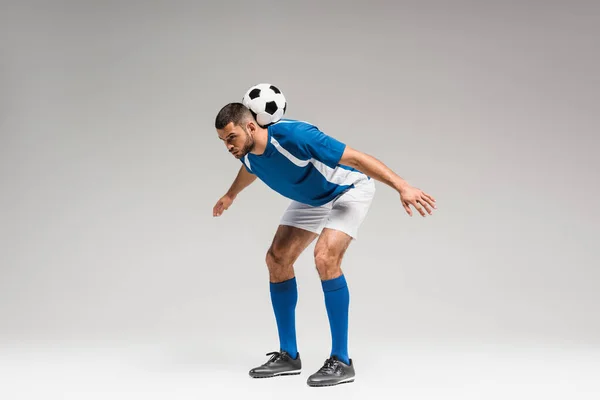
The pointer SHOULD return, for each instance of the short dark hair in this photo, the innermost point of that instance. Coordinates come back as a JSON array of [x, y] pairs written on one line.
[[232, 112]]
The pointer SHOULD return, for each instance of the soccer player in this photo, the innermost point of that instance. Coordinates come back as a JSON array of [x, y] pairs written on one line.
[[331, 187]]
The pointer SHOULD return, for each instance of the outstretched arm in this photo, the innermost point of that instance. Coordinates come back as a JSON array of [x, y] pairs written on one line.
[[242, 180], [377, 170]]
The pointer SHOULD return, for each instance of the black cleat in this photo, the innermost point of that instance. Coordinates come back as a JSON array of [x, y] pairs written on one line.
[[333, 372], [280, 363]]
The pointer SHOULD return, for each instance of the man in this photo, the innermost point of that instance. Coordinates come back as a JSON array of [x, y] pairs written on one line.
[[331, 187]]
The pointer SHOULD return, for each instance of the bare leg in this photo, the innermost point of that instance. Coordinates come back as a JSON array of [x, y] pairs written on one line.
[[289, 242], [329, 251]]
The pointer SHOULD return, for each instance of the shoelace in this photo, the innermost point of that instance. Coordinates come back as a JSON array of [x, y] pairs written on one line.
[[329, 365], [276, 355]]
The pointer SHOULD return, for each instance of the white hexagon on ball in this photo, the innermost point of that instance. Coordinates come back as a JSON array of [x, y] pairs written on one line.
[[266, 102]]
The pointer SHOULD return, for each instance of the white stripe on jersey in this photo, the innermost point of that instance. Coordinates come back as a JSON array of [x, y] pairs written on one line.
[[338, 176], [247, 162], [288, 155]]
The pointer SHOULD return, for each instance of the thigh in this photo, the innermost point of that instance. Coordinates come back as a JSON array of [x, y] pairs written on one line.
[[329, 252], [332, 243], [289, 242]]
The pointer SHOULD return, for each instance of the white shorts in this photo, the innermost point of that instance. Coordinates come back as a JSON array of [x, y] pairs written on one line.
[[344, 213]]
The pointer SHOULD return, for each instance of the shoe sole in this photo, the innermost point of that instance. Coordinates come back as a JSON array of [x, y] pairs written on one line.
[[275, 375], [330, 384]]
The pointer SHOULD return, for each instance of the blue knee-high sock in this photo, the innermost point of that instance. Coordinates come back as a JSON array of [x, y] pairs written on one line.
[[284, 296], [337, 301]]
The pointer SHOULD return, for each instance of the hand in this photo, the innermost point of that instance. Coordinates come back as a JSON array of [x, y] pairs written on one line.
[[418, 199], [222, 205]]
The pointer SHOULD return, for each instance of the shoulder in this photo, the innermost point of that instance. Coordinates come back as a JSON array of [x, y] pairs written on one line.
[[292, 136], [291, 126], [304, 140], [293, 131]]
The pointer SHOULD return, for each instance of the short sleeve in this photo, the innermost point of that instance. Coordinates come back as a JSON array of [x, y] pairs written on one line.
[[323, 147], [243, 160]]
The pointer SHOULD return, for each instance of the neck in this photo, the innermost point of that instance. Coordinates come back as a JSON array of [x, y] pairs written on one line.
[[261, 137]]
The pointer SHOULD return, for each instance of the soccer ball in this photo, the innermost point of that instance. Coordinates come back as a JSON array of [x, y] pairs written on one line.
[[266, 103]]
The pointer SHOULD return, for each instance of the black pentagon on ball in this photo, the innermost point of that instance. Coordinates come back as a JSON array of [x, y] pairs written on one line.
[[271, 107], [254, 93], [273, 88]]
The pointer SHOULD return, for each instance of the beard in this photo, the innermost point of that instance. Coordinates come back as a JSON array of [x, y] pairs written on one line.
[[248, 146]]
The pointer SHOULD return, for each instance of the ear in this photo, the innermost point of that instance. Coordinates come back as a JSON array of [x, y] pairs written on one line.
[[251, 126]]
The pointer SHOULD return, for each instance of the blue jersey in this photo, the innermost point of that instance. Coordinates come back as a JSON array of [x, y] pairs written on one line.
[[302, 163]]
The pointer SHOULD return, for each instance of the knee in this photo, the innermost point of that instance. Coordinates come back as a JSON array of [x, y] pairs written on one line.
[[276, 259], [280, 265], [327, 262]]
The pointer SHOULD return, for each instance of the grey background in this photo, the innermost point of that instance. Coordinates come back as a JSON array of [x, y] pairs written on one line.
[[110, 167]]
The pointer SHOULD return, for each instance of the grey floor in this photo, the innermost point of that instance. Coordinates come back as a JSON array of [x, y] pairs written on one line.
[[400, 370]]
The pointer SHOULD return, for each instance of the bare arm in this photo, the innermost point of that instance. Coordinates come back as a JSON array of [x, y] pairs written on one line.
[[379, 171], [242, 180], [373, 167]]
